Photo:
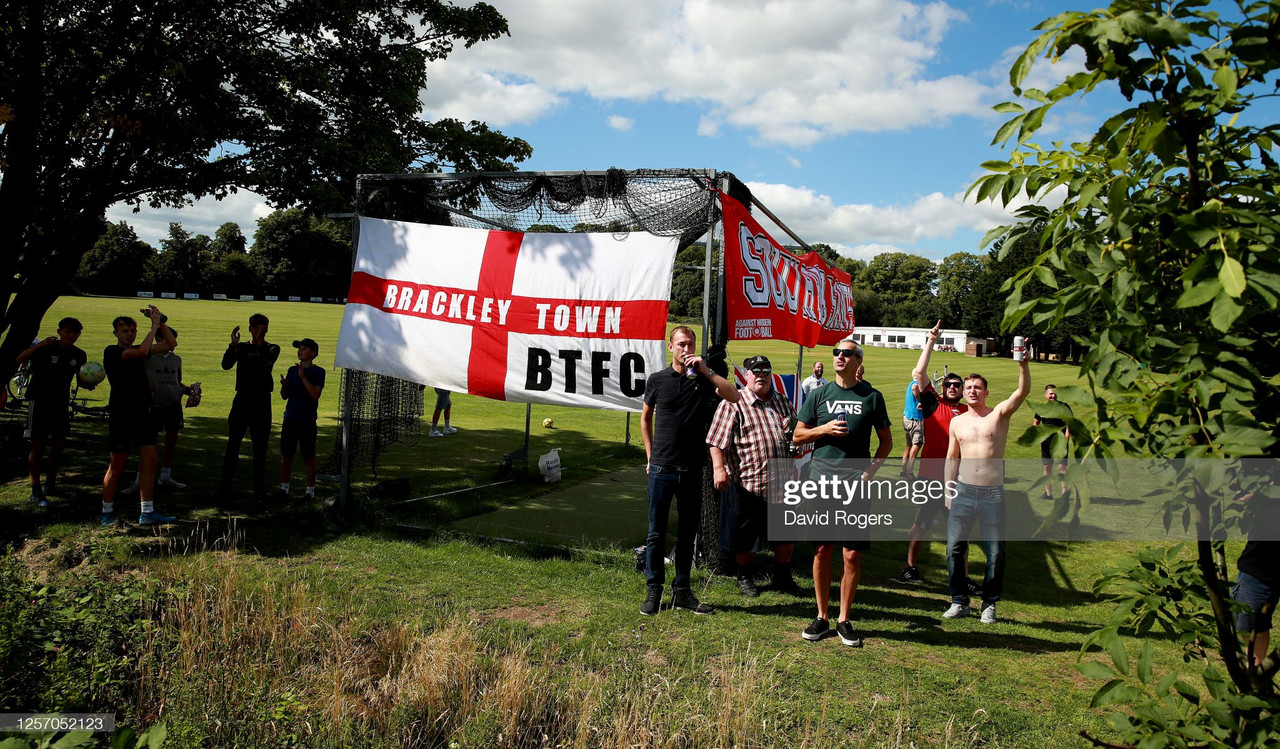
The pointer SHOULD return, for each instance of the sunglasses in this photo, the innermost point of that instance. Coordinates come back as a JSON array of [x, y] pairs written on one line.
[[843, 352], [952, 384], [762, 371]]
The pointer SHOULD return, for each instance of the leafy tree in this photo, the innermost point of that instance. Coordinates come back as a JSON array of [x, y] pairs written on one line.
[[900, 277], [297, 253], [686, 283], [956, 275], [228, 239], [544, 229], [104, 101], [180, 265], [1168, 230], [115, 263], [867, 308]]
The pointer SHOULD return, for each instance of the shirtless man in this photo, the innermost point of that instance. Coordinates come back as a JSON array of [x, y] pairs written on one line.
[[975, 458]]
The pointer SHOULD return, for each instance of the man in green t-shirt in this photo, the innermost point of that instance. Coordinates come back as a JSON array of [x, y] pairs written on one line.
[[839, 418]]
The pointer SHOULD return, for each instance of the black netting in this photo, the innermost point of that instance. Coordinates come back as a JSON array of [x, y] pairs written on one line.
[[380, 411], [666, 202]]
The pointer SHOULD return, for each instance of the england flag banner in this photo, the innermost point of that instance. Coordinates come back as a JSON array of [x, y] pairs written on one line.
[[772, 294], [561, 319]]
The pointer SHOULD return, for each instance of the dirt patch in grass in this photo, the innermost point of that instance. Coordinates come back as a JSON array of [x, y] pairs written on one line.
[[536, 616]]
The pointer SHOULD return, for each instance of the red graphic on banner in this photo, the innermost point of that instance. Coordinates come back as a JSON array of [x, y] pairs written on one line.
[[493, 312], [772, 294]]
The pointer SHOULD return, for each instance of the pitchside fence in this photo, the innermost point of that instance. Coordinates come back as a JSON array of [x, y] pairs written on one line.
[[378, 411]]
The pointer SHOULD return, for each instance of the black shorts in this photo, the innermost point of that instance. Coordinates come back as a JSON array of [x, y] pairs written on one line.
[[743, 520], [167, 418], [47, 420], [926, 512], [1046, 453], [298, 436], [125, 431]]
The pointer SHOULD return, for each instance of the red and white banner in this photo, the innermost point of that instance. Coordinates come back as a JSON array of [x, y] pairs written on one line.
[[772, 294], [564, 319]]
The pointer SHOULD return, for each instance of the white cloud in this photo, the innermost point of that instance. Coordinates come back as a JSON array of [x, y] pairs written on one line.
[[152, 224], [793, 161], [865, 228], [620, 123], [793, 72]]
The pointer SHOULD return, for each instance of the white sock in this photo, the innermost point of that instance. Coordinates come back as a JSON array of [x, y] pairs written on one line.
[[137, 480], [446, 423], [108, 508], [284, 486], [164, 473], [148, 507]]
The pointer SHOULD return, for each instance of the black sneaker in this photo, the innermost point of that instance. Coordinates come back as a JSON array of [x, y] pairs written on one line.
[[684, 599], [975, 590], [820, 629], [783, 583], [911, 574], [847, 636], [748, 587], [652, 600]]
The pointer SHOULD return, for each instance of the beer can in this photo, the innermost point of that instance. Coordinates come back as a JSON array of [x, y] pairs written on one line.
[[842, 417], [690, 372], [1019, 348]]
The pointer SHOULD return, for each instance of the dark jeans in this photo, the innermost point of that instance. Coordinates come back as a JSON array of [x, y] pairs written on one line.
[[686, 487], [984, 504], [252, 413]]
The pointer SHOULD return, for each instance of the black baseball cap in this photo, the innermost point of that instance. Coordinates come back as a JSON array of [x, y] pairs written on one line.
[[308, 343], [757, 362]]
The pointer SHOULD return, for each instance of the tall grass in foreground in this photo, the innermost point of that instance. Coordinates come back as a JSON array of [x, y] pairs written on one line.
[[244, 660]]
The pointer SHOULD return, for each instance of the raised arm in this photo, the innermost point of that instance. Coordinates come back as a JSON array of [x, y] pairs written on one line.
[[921, 373], [1015, 401]]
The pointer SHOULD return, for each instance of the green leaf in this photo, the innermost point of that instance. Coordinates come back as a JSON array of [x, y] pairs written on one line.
[[1224, 312], [1096, 670], [1144, 662], [1115, 692], [1188, 692], [1008, 107], [1200, 293], [1119, 655], [1232, 276], [997, 166], [1226, 81]]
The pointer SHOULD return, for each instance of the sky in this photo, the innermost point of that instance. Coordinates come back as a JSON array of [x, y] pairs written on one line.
[[859, 123]]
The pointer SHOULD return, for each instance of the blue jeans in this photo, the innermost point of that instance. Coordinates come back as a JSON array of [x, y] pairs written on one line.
[[986, 505], [686, 487]]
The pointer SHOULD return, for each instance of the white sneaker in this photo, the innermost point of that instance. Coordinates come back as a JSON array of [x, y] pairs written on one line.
[[435, 433], [168, 482], [956, 611], [988, 614], [450, 430]]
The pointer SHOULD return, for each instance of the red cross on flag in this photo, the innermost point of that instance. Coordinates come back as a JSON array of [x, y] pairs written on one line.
[[563, 319]]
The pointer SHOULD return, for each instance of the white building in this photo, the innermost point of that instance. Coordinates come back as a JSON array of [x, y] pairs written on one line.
[[911, 338]]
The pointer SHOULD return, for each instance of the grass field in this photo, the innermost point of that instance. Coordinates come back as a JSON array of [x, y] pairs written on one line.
[[284, 625]]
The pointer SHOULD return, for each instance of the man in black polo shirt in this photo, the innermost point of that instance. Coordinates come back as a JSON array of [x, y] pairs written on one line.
[[54, 361], [684, 397], [251, 408]]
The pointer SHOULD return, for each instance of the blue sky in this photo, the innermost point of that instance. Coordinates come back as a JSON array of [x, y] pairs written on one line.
[[860, 123]]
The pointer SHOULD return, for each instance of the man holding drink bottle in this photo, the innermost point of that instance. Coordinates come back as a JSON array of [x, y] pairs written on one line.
[[975, 459], [839, 418]]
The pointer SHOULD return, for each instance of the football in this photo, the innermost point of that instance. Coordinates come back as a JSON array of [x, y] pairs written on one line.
[[548, 423], [91, 373]]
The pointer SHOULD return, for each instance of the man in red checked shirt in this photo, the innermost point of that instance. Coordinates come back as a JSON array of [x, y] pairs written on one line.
[[744, 438]]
